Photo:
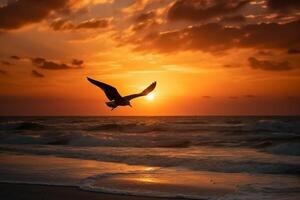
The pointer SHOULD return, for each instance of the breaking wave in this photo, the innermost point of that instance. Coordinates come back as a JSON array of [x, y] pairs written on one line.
[[193, 158]]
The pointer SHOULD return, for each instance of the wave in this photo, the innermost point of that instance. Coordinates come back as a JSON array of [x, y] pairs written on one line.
[[162, 141], [30, 126], [152, 136], [145, 125], [77, 139], [133, 183], [273, 126], [129, 127], [39, 183], [89, 184], [285, 149], [260, 164], [22, 126]]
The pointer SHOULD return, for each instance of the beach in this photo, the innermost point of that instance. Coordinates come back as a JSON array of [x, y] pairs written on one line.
[[56, 175], [38, 192], [150, 158]]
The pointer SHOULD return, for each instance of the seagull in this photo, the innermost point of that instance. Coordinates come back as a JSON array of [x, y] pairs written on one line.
[[114, 96]]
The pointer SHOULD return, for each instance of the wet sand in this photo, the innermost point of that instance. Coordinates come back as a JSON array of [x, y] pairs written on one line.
[[29, 177], [12, 191]]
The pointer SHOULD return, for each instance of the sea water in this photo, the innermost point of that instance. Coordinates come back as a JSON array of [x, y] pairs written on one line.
[[186, 157]]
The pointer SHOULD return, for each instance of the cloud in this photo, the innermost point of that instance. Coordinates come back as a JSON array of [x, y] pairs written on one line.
[[234, 19], [102, 1], [4, 62], [215, 37], [15, 57], [262, 35], [77, 62], [293, 98], [51, 65], [206, 97], [16, 14], [3, 72], [269, 65], [205, 38], [61, 24], [293, 51], [138, 5], [144, 21], [194, 10], [37, 74], [265, 53], [249, 96], [284, 5], [234, 65], [145, 16], [93, 23]]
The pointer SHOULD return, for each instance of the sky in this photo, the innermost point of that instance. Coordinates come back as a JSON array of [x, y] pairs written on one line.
[[209, 57]]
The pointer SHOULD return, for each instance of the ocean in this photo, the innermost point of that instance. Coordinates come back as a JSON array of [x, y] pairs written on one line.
[[253, 157]]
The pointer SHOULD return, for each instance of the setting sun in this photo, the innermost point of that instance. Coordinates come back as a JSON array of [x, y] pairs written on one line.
[[150, 97], [192, 49]]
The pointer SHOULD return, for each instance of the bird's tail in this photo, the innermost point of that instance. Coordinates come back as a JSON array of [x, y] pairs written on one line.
[[111, 104]]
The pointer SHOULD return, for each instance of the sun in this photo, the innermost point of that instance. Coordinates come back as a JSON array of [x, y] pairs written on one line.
[[150, 97]]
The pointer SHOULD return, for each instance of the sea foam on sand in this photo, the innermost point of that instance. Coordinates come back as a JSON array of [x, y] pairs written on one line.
[[145, 181]]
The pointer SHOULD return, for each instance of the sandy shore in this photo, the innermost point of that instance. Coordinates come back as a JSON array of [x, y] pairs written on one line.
[[12, 191], [104, 177]]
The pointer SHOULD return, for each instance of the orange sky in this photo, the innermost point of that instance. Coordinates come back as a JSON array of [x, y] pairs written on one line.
[[209, 57]]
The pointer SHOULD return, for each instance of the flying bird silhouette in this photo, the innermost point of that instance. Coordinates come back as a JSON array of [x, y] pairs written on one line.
[[114, 96]]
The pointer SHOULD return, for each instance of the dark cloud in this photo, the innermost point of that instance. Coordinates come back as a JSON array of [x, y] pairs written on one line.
[[216, 37], [19, 13], [145, 16], [231, 65], [293, 98], [37, 74], [144, 21], [249, 96], [195, 10], [269, 65], [284, 5], [262, 35], [205, 38], [61, 24], [140, 26], [234, 19], [4, 62], [293, 51], [51, 65], [93, 23], [77, 62], [265, 53], [233, 97], [3, 72], [15, 57]]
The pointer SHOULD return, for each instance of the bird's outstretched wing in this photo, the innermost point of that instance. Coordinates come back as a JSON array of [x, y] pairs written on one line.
[[149, 89], [110, 91]]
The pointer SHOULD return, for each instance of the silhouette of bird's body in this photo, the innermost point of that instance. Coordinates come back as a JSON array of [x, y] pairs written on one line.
[[115, 98]]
